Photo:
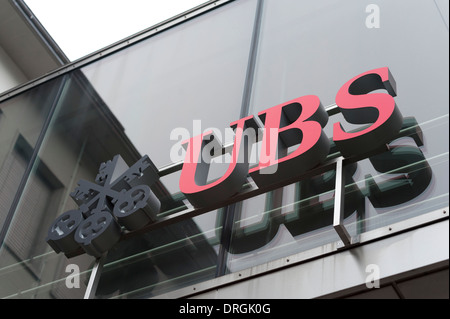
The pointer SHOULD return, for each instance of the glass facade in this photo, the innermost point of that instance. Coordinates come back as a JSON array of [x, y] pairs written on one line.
[[233, 61], [314, 47]]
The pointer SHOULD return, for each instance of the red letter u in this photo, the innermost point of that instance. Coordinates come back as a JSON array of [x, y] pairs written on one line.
[[193, 180]]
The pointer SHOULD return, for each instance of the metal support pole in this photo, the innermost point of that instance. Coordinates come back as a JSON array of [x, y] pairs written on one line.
[[91, 288], [338, 218]]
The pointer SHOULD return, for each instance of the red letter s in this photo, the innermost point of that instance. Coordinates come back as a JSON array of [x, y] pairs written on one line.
[[359, 107]]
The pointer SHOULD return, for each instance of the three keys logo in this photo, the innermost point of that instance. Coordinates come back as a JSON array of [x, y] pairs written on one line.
[[120, 196]]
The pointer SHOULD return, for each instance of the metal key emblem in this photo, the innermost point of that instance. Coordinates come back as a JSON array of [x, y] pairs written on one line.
[[120, 196]]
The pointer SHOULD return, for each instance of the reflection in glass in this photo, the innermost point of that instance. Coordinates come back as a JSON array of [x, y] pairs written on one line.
[[88, 129], [162, 260], [81, 134], [23, 253], [176, 84], [196, 72], [290, 220], [329, 49], [22, 119], [407, 180]]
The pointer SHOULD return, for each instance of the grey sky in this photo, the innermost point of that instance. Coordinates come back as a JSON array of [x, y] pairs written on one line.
[[81, 27]]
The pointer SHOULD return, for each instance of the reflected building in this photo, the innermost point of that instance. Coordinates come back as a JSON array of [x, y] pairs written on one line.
[[62, 121]]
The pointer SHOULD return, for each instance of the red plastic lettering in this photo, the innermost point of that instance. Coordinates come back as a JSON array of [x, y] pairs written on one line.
[[359, 107], [299, 121]]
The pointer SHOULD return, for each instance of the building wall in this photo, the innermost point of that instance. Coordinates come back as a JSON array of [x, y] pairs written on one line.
[[27, 52], [11, 74]]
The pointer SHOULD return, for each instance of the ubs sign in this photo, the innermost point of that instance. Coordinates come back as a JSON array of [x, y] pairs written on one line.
[[121, 195]]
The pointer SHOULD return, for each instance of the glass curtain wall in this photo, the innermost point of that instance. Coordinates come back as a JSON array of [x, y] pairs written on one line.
[[148, 97], [140, 101], [23, 119], [166, 89], [315, 47]]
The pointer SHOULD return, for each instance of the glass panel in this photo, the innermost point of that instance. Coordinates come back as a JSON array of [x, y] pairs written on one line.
[[61, 278], [410, 179], [179, 83], [175, 200], [290, 220], [199, 66], [29, 268], [329, 50], [162, 260], [81, 136], [23, 253], [21, 121]]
